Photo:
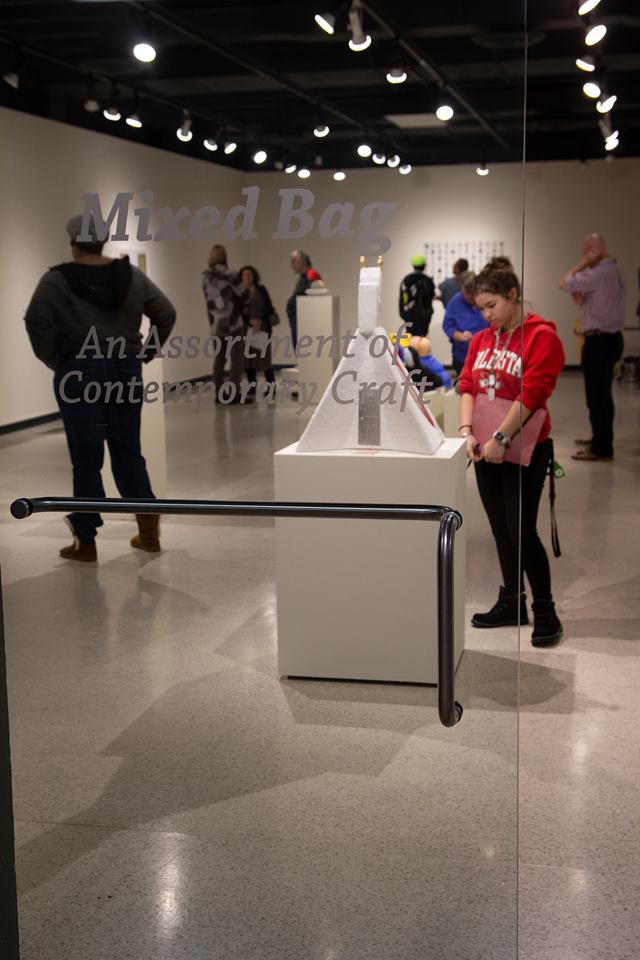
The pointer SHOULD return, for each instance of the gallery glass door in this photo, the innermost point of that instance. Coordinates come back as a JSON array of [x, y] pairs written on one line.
[[183, 785]]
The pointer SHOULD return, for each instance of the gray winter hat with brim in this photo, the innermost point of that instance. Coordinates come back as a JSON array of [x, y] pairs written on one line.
[[74, 229]]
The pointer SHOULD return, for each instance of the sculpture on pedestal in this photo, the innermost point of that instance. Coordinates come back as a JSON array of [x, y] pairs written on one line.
[[371, 402]]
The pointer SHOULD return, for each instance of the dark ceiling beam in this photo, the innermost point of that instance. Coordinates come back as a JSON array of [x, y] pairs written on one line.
[[36, 53], [433, 72], [251, 65]]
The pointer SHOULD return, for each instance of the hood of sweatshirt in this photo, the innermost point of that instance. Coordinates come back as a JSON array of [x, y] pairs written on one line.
[[532, 320], [102, 285]]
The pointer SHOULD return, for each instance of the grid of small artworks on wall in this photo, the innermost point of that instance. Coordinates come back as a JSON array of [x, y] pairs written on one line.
[[442, 254]]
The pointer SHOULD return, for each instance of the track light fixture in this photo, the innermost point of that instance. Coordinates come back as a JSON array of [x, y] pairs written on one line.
[[230, 147], [396, 75], [304, 173], [586, 63], [591, 89], [144, 50], [379, 158], [587, 6], [595, 34], [364, 151], [290, 168], [405, 169], [612, 142], [339, 175], [91, 104], [260, 156], [606, 103], [210, 144], [112, 112], [482, 170], [321, 130], [326, 22], [359, 39], [12, 75], [133, 119], [393, 161], [12, 78], [444, 112], [184, 131]]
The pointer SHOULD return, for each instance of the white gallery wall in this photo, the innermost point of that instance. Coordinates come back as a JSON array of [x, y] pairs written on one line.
[[565, 202], [45, 167]]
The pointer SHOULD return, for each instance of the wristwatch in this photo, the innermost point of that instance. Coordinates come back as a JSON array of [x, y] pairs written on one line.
[[502, 438]]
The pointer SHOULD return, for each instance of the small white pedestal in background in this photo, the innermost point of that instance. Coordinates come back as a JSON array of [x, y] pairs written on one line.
[[318, 316], [357, 599]]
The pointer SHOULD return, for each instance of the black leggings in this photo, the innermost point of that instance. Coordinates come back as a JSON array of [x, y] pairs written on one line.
[[498, 484]]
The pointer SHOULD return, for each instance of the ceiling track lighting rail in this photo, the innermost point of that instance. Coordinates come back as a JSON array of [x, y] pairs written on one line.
[[139, 89], [251, 65], [433, 72], [597, 88]]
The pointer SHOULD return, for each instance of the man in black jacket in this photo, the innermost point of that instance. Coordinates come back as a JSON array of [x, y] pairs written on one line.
[[91, 300], [417, 291]]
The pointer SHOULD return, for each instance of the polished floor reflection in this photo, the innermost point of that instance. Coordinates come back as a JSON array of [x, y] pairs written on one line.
[[175, 799]]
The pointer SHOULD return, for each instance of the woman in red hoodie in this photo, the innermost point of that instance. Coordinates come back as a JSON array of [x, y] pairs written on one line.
[[516, 359]]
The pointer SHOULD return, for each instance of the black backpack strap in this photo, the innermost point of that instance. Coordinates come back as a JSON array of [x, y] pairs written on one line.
[[555, 541]]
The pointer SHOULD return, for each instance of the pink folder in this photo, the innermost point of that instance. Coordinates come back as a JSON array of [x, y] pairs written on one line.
[[488, 415]]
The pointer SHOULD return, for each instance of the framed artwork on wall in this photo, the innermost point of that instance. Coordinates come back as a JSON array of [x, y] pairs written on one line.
[[442, 254]]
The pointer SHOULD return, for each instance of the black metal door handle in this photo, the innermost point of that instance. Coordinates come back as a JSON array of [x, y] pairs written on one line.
[[449, 710]]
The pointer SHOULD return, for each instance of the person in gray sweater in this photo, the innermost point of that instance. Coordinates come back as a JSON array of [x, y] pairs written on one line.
[[84, 322]]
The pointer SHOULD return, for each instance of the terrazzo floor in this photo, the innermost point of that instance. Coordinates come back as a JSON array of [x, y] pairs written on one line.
[[175, 799]]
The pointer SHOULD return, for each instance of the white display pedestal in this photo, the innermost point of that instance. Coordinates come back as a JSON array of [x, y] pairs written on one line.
[[451, 413], [153, 440], [357, 599], [318, 316], [433, 400]]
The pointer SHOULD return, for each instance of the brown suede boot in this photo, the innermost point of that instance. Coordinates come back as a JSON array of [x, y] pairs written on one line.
[[148, 538], [80, 551]]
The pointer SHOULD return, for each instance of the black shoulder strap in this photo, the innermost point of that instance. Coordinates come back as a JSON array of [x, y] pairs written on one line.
[[555, 540]]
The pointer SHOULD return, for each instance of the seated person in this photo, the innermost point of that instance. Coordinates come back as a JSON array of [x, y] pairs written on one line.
[[419, 361]]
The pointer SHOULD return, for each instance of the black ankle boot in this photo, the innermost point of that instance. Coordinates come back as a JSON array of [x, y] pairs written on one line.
[[547, 628], [504, 613]]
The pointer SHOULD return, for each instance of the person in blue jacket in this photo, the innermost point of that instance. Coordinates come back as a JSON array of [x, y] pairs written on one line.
[[462, 319]]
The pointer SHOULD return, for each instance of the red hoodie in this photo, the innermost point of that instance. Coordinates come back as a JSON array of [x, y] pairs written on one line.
[[536, 348]]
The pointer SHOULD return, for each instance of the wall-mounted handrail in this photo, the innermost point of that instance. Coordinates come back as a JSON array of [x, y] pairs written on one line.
[[450, 520], [449, 710]]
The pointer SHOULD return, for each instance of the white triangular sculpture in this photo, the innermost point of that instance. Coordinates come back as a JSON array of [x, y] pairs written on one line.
[[387, 416]]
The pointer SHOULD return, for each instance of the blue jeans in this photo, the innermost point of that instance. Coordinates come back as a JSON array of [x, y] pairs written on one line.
[[88, 424]]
